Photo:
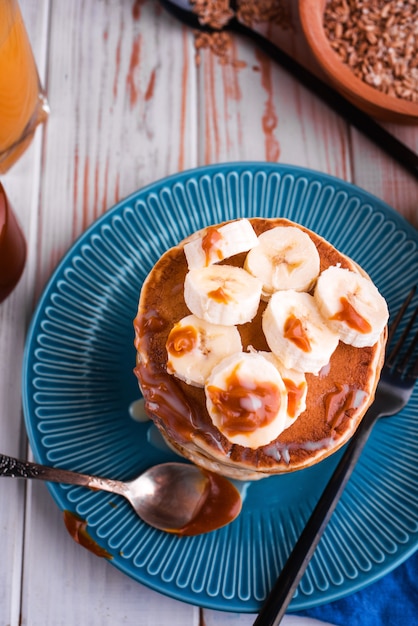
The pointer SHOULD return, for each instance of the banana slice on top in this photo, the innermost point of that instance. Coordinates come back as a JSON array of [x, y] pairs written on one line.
[[285, 258], [352, 306], [222, 294], [247, 399], [194, 347], [220, 242], [297, 333]]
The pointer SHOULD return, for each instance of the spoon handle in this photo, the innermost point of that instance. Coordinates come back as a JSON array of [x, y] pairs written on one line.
[[15, 468]]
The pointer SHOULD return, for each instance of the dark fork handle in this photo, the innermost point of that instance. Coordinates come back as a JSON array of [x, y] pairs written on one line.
[[282, 593]]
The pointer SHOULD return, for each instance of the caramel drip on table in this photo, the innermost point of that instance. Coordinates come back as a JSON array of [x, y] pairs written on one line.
[[77, 527]]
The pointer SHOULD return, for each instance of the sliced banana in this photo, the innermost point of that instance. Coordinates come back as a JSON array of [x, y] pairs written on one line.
[[247, 399], [217, 243], [222, 294], [285, 258], [194, 347], [351, 305], [296, 387], [296, 332]]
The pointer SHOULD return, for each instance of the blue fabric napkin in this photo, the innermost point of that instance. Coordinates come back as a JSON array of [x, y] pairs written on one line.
[[391, 601]]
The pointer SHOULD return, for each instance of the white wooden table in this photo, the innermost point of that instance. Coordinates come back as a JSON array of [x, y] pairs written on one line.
[[129, 105]]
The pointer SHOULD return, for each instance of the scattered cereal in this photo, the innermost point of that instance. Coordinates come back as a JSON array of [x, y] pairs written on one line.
[[217, 13], [214, 13]]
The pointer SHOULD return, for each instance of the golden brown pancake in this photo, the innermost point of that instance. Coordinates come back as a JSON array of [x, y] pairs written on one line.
[[337, 397]]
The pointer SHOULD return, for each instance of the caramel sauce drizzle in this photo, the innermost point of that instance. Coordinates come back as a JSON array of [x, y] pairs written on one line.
[[146, 324], [210, 243], [220, 295], [244, 409], [349, 315], [174, 411], [294, 331], [294, 395], [339, 403], [158, 387], [181, 340], [221, 505]]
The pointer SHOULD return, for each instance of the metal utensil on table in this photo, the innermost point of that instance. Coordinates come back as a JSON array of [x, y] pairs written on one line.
[[397, 382], [183, 11], [167, 496]]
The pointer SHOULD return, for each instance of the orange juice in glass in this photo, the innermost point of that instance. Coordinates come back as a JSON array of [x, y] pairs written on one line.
[[23, 104]]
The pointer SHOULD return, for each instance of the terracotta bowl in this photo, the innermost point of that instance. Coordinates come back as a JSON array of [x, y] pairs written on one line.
[[365, 97]]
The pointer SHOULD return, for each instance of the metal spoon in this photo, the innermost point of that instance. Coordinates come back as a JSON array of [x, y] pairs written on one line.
[[167, 496]]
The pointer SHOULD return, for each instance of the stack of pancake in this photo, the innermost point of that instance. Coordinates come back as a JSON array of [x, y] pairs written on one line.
[[337, 392]]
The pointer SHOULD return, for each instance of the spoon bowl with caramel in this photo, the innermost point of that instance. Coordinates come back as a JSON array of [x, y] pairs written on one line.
[[174, 497]]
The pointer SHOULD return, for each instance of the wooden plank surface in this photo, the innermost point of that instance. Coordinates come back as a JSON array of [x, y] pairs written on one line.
[[130, 105]]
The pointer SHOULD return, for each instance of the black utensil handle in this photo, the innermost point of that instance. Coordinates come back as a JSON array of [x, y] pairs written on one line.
[[357, 118], [286, 584]]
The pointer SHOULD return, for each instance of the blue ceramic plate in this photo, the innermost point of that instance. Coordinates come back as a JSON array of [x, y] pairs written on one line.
[[78, 386]]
